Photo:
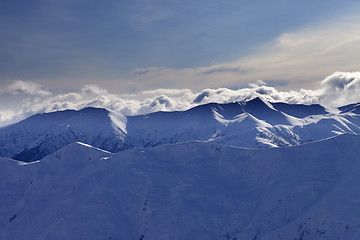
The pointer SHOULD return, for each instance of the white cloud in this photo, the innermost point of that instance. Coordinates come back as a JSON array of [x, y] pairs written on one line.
[[168, 92], [6, 116], [149, 101], [340, 88], [26, 87], [93, 89]]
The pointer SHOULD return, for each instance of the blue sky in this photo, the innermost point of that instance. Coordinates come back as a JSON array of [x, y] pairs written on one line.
[[130, 46]]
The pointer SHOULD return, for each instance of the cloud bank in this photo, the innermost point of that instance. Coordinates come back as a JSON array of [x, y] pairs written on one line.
[[19, 87], [338, 89]]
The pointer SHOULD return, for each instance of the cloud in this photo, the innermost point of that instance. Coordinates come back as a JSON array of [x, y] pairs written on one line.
[[142, 71], [93, 89], [26, 87], [212, 76], [6, 116], [300, 58], [340, 88], [168, 92], [223, 68], [147, 101], [308, 54]]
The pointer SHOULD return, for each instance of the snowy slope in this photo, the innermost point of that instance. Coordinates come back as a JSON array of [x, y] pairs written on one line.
[[194, 190], [233, 123], [42, 134], [300, 110], [353, 108], [205, 122]]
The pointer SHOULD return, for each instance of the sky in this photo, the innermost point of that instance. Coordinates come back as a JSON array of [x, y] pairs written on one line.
[[50, 48]]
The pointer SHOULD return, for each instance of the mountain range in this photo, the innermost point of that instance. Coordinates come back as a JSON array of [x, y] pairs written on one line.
[[246, 170], [252, 124]]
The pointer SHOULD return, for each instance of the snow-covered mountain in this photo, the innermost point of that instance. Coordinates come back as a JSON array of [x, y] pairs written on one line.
[[253, 124], [192, 190], [182, 175], [43, 134]]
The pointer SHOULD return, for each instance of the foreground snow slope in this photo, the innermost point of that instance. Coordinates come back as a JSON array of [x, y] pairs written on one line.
[[194, 190]]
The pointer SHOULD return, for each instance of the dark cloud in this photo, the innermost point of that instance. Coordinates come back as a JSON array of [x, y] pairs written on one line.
[[224, 69]]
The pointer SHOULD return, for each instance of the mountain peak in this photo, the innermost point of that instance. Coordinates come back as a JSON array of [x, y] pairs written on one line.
[[258, 103], [43, 134], [262, 109]]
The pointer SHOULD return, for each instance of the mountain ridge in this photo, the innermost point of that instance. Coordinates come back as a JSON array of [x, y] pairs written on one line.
[[252, 124]]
